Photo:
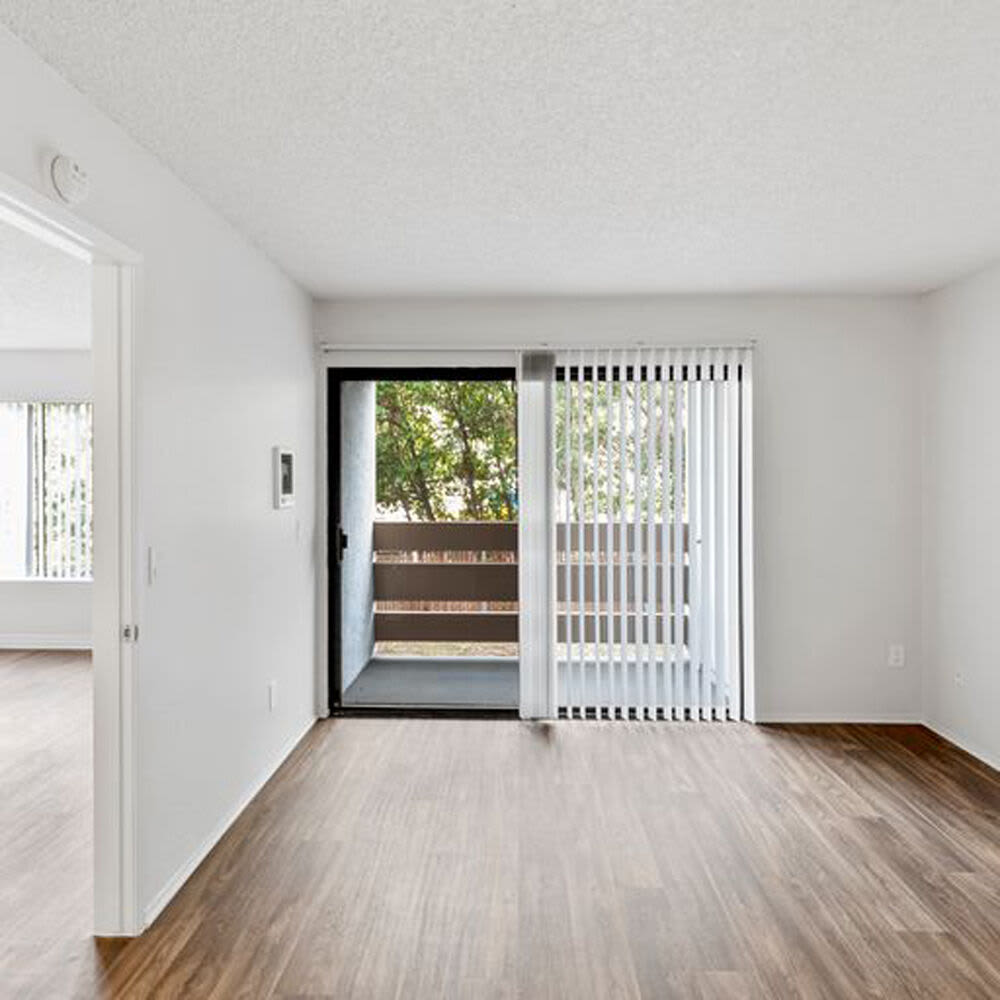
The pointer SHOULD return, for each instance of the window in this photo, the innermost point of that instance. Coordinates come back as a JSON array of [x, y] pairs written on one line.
[[46, 497]]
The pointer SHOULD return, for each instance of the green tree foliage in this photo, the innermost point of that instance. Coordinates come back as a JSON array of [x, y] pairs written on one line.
[[597, 466], [447, 450]]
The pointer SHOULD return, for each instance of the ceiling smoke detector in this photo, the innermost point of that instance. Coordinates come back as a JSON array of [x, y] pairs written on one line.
[[69, 179]]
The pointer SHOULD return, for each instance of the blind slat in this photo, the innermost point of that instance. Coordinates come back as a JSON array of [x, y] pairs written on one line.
[[649, 488]]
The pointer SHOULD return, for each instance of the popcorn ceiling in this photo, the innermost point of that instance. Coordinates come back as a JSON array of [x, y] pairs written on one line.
[[387, 147]]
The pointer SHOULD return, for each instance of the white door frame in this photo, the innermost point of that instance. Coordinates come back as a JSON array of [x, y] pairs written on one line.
[[115, 274]]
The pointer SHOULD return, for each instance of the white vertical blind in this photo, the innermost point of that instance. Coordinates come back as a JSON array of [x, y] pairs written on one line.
[[46, 488], [536, 581], [63, 469], [651, 588]]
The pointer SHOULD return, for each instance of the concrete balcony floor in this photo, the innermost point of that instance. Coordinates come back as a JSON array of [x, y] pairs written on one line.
[[449, 682]]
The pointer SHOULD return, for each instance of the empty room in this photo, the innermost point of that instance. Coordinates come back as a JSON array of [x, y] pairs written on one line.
[[498, 500]]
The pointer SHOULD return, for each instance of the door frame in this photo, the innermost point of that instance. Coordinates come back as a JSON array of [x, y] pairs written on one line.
[[537, 690], [115, 270], [467, 367]]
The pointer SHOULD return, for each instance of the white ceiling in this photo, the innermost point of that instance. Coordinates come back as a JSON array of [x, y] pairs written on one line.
[[395, 147], [44, 295]]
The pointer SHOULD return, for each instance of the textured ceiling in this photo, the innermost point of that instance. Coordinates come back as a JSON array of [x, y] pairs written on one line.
[[386, 146], [44, 295]]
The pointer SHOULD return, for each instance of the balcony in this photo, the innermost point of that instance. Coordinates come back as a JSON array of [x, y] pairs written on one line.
[[445, 607], [445, 616]]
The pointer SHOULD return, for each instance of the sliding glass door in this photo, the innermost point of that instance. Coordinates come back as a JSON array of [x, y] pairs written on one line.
[[647, 553]]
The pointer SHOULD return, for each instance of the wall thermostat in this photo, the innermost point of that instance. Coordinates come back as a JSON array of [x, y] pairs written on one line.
[[284, 477], [69, 179]]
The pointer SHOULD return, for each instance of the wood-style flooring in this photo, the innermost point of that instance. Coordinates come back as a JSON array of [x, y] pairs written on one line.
[[419, 858], [46, 820]]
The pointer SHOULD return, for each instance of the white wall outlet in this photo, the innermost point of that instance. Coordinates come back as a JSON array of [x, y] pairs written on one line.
[[897, 655], [272, 695], [959, 679]]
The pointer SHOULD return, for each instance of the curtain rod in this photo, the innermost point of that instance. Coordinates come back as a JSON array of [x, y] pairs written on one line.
[[522, 348]]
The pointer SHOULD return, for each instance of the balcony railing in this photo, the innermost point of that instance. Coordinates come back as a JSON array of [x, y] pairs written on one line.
[[469, 566], [456, 581]]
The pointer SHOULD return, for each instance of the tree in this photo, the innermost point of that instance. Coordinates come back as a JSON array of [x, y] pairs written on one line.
[[447, 450], [596, 464]]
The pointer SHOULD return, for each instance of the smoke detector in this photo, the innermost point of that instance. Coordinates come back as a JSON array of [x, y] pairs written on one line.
[[69, 179]]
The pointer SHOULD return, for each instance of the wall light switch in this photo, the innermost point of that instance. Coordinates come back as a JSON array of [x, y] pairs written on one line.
[[151, 565], [897, 655], [272, 695]]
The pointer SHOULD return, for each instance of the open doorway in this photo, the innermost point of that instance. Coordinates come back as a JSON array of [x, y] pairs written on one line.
[[423, 530], [68, 550], [46, 597]]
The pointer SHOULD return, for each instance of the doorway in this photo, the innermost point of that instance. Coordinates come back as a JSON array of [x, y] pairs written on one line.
[[112, 272], [423, 510]]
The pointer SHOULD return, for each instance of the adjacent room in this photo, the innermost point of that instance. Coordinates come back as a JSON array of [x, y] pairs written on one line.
[[46, 571], [497, 500]]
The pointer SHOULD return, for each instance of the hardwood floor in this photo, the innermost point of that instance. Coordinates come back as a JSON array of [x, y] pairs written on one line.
[[46, 827], [464, 858]]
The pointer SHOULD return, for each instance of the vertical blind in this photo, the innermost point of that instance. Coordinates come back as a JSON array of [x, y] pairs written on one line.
[[46, 497], [647, 540]]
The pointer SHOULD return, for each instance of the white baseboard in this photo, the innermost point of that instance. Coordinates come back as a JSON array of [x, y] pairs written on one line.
[[989, 759], [45, 640], [846, 718], [186, 870]]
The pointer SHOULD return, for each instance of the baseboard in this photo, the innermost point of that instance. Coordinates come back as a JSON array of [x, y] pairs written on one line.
[[45, 640], [186, 870], [832, 718], [990, 760]]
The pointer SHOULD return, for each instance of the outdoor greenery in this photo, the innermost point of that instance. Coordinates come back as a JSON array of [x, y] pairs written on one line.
[[598, 469], [447, 450]]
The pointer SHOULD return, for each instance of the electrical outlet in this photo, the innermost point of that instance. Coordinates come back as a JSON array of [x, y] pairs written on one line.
[[897, 655], [272, 695], [959, 679]]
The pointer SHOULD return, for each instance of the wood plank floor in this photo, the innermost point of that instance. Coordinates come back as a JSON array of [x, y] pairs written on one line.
[[46, 820], [421, 858]]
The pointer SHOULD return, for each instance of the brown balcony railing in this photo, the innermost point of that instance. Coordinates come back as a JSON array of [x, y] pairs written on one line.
[[456, 581]]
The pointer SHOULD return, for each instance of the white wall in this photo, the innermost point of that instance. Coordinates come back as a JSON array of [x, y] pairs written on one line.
[[46, 376], [40, 614], [225, 371], [962, 526], [45, 614], [837, 452]]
